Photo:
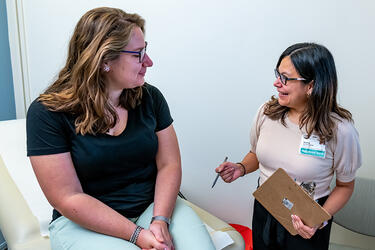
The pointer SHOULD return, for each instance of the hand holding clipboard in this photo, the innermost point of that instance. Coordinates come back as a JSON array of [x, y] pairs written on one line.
[[282, 197]]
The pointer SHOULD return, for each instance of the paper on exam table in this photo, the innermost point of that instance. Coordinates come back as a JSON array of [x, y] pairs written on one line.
[[219, 238]]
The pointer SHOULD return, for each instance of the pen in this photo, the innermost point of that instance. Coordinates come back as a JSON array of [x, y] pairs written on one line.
[[218, 174]]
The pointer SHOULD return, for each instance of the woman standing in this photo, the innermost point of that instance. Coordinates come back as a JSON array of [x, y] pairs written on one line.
[[305, 132]]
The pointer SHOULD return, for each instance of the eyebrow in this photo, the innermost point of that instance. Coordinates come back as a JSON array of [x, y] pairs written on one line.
[[140, 48], [284, 73]]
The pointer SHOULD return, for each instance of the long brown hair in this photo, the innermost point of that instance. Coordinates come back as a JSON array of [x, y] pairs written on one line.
[[99, 36], [315, 63]]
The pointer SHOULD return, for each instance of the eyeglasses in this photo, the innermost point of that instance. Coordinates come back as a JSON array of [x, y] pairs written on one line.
[[284, 79], [141, 54]]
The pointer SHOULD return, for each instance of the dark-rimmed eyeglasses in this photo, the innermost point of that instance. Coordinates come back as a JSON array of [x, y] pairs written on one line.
[[141, 54], [284, 79]]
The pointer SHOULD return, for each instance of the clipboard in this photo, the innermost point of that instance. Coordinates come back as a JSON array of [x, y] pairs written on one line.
[[282, 197]]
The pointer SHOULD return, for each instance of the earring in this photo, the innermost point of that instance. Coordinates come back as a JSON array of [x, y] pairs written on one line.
[[106, 68]]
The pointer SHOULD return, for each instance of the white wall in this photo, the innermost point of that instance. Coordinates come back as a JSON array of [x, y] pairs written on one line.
[[214, 62]]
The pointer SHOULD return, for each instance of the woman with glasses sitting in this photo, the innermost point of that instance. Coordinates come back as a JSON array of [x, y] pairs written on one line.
[[305, 132], [103, 148]]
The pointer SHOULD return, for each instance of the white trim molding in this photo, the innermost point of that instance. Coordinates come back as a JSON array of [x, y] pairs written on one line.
[[18, 55]]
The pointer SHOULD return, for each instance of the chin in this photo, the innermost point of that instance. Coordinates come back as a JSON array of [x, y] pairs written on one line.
[[137, 84], [141, 81], [282, 103]]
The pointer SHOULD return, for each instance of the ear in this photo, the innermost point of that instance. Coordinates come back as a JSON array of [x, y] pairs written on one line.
[[310, 87], [106, 67]]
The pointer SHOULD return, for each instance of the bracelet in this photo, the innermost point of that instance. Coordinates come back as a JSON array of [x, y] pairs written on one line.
[[134, 237], [162, 218], [243, 166]]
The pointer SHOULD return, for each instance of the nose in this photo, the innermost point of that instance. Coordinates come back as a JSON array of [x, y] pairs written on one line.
[[147, 62], [277, 83]]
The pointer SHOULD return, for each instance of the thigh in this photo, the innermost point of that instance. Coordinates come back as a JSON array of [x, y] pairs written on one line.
[[258, 224], [320, 240], [186, 228], [65, 234]]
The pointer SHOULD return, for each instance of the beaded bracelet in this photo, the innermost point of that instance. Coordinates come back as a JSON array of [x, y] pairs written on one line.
[[134, 237], [243, 166]]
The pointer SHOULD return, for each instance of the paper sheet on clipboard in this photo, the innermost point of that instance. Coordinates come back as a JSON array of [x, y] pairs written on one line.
[[282, 197]]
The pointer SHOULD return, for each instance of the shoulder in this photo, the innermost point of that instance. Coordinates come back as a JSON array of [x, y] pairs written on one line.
[[260, 116], [152, 90], [344, 127], [38, 114], [46, 130], [38, 110], [261, 108], [36, 107], [153, 94], [346, 135]]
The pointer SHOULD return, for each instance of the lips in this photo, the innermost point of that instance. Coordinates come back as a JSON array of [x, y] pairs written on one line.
[[282, 93]]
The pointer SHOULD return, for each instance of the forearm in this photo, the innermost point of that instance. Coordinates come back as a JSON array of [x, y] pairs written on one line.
[[339, 197], [250, 162], [168, 183], [92, 214]]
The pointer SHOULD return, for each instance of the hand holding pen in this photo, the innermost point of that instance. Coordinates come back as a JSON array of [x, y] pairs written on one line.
[[218, 173], [229, 171]]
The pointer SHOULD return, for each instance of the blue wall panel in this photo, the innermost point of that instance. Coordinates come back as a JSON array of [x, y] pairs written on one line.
[[7, 104]]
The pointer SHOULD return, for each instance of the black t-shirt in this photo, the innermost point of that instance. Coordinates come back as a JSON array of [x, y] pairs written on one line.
[[118, 170]]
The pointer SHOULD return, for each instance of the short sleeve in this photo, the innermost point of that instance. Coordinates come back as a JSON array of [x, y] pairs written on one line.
[[162, 114], [255, 128], [347, 153], [45, 131]]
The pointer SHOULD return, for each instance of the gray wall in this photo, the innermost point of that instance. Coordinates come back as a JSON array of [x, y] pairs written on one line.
[[7, 104]]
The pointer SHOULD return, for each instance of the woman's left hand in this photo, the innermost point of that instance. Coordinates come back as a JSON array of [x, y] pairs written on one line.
[[306, 232], [161, 232]]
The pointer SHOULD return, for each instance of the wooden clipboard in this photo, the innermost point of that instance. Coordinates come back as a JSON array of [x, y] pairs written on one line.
[[282, 197]]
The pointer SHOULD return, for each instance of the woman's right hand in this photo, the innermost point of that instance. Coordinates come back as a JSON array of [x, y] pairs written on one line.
[[230, 171], [147, 240]]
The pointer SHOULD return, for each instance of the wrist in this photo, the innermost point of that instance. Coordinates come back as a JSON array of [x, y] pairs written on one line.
[[162, 219], [243, 168], [134, 237]]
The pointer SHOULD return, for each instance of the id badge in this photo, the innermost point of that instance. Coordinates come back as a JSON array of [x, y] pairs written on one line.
[[311, 146]]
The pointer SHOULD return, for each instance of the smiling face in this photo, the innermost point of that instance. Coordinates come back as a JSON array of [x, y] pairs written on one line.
[[126, 72], [294, 94]]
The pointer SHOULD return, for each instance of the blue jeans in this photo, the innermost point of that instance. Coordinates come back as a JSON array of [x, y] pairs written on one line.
[[187, 230]]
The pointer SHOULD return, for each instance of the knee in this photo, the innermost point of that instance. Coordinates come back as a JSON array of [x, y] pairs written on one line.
[[184, 214]]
